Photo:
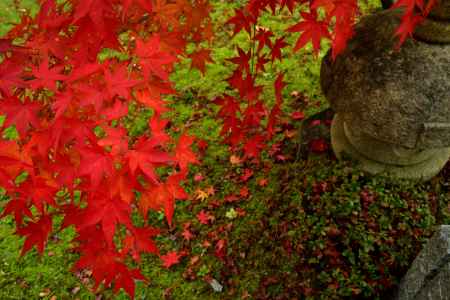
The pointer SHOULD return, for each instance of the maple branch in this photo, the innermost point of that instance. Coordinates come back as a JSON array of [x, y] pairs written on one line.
[[253, 50]]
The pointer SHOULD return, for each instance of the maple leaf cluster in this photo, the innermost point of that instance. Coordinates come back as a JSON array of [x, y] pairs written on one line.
[[249, 124], [73, 154], [415, 12]]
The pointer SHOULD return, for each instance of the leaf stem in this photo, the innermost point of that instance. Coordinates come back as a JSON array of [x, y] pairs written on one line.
[[253, 50]]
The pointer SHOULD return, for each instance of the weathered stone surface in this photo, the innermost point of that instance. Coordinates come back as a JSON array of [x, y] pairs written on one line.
[[391, 95], [429, 275], [437, 288], [385, 152], [424, 169], [433, 31]]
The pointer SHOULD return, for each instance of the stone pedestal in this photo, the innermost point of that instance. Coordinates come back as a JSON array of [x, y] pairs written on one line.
[[377, 157], [393, 107]]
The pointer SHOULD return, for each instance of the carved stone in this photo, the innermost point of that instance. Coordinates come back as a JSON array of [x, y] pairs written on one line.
[[393, 106]]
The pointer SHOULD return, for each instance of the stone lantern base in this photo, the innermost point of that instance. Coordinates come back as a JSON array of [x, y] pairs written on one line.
[[376, 156]]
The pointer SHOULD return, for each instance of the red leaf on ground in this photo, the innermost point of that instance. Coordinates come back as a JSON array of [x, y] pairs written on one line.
[[187, 234], [244, 192], [247, 174], [298, 115], [263, 182], [204, 217], [220, 249], [318, 145], [170, 259]]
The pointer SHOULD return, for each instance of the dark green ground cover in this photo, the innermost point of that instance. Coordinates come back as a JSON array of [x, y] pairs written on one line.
[[309, 227]]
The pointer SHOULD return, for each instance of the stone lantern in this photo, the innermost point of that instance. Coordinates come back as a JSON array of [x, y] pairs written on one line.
[[393, 106]]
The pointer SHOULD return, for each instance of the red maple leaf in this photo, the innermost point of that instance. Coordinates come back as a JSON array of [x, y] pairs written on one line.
[[106, 265], [187, 234], [125, 279], [263, 182], [289, 3], [116, 138], [311, 30], [279, 86], [318, 145], [261, 62], [21, 114], [143, 239], [263, 37], [298, 115], [140, 241], [276, 48], [162, 196], [94, 10], [13, 159], [254, 145], [151, 97], [122, 186], [167, 12], [204, 217], [241, 21], [170, 259], [344, 12], [109, 212], [244, 192], [195, 15], [229, 106], [90, 95], [342, 33], [83, 71], [40, 190], [62, 103], [157, 126], [152, 59], [247, 174], [118, 110], [220, 249], [146, 156], [119, 82], [409, 21], [10, 76], [36, 234], [44, 77], [242, 61], [147, 5], [19, 207], [200, 58], [95, 163], [183, 152]]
